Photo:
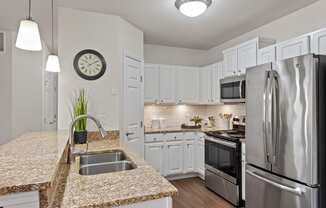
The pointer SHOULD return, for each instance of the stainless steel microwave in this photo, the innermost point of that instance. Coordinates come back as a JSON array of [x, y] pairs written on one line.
[[233, 89]]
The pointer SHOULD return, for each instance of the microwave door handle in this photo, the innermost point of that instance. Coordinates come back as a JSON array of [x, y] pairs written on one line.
[[297, 191], [240, 90]]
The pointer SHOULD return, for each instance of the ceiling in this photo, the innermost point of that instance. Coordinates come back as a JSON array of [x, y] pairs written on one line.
[[161, 22]]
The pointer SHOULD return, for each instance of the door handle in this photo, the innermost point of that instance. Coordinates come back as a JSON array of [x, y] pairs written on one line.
[[129, 133], [294, 190], [266, 109], [275, 115]]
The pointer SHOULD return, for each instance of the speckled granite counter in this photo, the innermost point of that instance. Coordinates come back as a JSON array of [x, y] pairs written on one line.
[[177, 129], [115, 189], [37, 162], [31, 163]]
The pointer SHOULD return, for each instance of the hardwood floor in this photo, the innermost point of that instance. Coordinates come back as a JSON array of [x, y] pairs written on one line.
[[193, 194]]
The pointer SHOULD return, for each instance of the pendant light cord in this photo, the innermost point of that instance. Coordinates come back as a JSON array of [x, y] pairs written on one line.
[[52, 16], [30, 10]]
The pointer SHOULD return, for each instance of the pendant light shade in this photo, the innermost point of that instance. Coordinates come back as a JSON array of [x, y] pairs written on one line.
[[192, 8], [28, 37], [53, 64]]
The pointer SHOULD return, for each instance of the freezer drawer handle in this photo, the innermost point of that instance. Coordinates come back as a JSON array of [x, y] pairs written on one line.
[[297, 191]]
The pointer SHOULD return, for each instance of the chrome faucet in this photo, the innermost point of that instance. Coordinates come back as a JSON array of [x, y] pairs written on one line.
[[72, 151]]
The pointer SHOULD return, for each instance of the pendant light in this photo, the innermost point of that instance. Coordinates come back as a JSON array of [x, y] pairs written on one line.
[[52, 64], [28, 37], [192, 8]]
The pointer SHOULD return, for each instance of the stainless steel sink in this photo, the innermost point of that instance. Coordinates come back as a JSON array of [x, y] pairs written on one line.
[[104, 162], [102, 157], [109, 167]]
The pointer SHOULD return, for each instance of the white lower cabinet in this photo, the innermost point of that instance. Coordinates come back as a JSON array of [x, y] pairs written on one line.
[[20, 200], [174, 156], [243, 164], [154, 154], [189, 154], [175, 153]]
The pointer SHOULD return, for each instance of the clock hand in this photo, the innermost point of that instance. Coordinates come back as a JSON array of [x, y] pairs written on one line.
[[93, 63]]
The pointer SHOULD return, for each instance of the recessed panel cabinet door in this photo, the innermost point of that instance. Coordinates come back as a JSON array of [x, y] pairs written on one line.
[[167, 84], [154, 154], [151, 83], [293, 48], [230, 62], [267, 55], [187, 85], [247, 56], [189, 154], [200, 156], [174, 158], [206, 85], [319, 42], [217, 75]]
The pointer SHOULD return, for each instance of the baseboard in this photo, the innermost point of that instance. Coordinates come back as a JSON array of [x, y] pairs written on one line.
[[184, 176]]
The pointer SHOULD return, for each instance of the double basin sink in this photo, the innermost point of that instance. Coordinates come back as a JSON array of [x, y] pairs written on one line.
[[104, 162]]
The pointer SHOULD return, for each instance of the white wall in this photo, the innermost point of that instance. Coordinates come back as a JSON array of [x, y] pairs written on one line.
[[108, 34], [158, 54], [5, 91]]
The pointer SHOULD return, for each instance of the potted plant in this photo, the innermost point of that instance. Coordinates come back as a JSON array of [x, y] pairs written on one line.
[[79, 107], [197, 120]]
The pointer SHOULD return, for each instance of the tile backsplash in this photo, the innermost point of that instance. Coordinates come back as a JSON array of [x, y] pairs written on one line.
[[176, 115]]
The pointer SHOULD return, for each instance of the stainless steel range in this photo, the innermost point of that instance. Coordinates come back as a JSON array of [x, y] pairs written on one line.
[[223, 163]]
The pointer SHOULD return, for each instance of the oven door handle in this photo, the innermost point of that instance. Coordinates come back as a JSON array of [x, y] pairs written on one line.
[[222, 142]]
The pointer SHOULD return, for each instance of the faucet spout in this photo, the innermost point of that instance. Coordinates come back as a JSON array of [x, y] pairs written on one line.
[[72, 151]]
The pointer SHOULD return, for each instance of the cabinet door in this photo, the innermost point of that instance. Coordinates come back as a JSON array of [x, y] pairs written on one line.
[[247, 56], [167, 84], [151, 83], [230, 62], [174, 158], [292, 48], [267, 55], [154, 156], [189, 153], [200, 156], [319, 42], [206, 81], [243, 166], [187, 85], [217, 75]]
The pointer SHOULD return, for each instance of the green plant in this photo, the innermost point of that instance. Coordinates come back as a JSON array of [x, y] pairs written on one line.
[[79, 107], [197, 120]]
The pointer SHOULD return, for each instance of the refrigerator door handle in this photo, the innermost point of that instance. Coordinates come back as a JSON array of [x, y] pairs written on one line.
[[266, 117], [275, 115], [295, 190]]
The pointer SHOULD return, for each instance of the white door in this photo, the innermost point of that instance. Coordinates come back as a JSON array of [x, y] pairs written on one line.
[[267, 55], [319, 42], [292, 48], [154, 156], [167, 84], [230, 62], [205, 84], [189, 154], [50, 101], [151, 83], [174, 158], [188, 85], [133, 111], [247, 56]]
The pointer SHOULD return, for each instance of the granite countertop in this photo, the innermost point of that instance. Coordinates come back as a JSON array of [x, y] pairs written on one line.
[[115, 189], [149, 130], [37, 162], [30, 162]]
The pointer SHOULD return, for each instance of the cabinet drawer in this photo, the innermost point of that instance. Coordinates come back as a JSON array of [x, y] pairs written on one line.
[[154, 137], [173, 137]]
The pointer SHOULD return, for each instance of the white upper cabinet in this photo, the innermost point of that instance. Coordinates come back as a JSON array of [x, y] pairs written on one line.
[[230, 62], [216, 76], [319, 42], [292, 48], [187, 85], [247, 56], [151, 83], [206, 85], [167, 84], [267, 54]]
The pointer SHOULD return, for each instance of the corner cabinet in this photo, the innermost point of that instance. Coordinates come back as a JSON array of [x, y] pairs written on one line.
[[294, 47], [151, 83], [187, 85]]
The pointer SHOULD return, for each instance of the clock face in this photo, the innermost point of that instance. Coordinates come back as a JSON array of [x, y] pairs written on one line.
[[89, 64]]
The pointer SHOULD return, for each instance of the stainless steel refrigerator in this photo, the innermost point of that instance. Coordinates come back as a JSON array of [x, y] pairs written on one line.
[[285, 134]]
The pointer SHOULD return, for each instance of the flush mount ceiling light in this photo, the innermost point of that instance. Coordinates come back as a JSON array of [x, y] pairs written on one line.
[[28, 37], [192, 8]]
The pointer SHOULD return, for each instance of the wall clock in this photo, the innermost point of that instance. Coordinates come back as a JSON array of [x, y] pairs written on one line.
[[89, 64]]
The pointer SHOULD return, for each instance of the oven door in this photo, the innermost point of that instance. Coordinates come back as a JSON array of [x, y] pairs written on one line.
[[222, 158]]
